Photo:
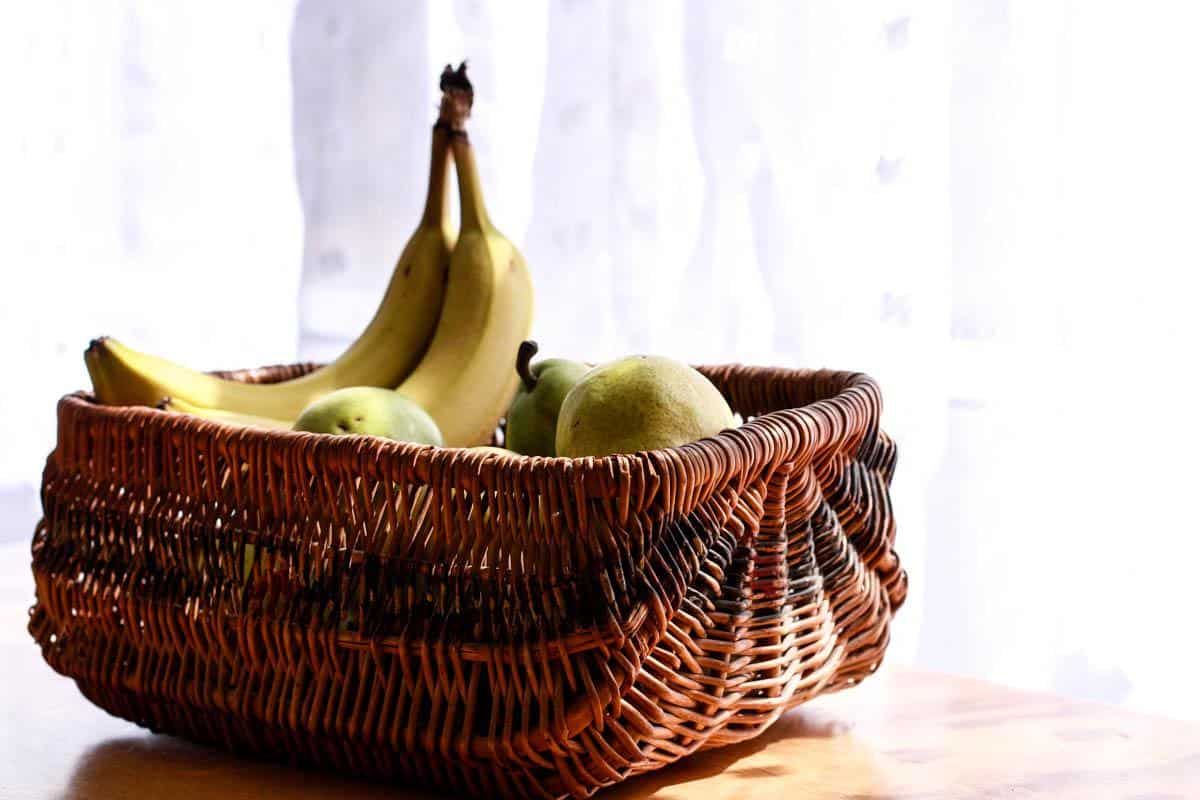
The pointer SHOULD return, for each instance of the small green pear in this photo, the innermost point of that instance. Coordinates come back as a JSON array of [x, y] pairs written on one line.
[[639, 403], [370, 411], [533, 416]]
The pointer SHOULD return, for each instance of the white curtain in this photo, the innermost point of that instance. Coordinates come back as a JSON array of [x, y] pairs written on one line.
[[148, 194], [986, 204]]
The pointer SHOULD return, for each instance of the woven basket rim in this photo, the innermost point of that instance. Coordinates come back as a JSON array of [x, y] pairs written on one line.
[[767, 438]]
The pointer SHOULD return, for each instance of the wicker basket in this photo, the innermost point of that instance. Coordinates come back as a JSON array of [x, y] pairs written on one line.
[[527, 628]]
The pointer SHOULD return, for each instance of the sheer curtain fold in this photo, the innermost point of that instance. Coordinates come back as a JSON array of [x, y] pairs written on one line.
[[149, 193], [935, 193]]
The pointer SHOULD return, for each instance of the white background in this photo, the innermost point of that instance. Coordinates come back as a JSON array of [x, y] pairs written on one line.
[[989, 205]]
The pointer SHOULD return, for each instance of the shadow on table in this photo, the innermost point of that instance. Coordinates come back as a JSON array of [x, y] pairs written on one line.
[[164, 766], [734, 761]]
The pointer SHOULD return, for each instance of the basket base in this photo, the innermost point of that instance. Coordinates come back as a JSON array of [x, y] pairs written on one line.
[[257, 739]]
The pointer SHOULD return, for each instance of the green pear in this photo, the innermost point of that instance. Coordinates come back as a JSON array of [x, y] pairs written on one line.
[[533, 415], [370, 411], [639, 403]]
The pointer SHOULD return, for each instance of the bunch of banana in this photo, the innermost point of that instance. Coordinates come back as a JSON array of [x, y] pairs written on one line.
[[444, 335]]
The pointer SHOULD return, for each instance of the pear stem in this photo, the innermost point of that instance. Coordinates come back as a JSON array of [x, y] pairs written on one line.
[[525, 354]]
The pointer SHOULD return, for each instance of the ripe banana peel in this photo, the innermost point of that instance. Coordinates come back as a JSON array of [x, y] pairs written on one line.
[[224, 416], [95, 368], [466, 380]]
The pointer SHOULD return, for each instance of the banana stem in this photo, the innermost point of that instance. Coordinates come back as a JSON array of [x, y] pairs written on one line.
[[436, 199], [525, 354], [470, 194], [457, 98]]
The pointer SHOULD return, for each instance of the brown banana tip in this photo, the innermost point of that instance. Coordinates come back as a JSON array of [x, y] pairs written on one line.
[[162, 404], [457, 98], [525, 354], [456, 79]]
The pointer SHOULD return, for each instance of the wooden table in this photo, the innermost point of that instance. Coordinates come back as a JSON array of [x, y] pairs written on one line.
[[902, 735]]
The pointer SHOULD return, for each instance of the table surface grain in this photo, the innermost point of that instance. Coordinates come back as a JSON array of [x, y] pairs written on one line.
[[903, 735]]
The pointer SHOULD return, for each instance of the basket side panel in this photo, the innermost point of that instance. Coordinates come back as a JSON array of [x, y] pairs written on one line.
[[798, 604], [179, 657]]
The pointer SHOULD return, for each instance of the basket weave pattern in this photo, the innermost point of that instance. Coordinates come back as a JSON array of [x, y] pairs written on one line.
[[528, 628]]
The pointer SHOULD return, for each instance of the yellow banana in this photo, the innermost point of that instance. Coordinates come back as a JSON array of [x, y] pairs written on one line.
[[383, 355], [466, 379], [222, 415], [91, 358]]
